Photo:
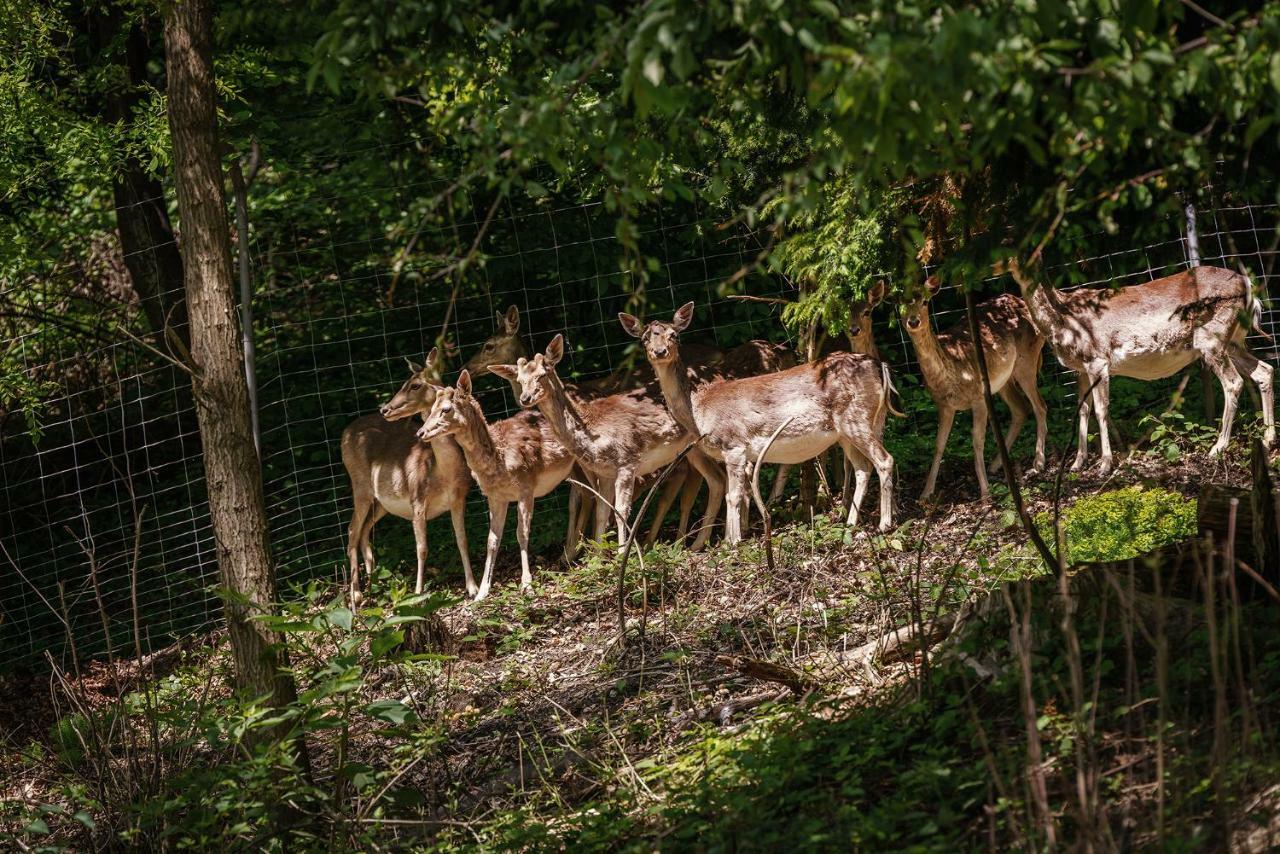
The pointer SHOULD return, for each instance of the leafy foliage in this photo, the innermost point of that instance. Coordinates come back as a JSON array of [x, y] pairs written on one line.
[[1123, 523]]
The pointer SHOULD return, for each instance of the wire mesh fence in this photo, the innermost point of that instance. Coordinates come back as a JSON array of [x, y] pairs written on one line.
[[107, 506]]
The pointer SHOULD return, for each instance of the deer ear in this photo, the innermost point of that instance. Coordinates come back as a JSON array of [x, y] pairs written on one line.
[[433, 358], [555, 350], [464, 382], [507, 372], [933, 283], [876, 294], [631, 324], [414, 367], [684, 316], [512, 320]]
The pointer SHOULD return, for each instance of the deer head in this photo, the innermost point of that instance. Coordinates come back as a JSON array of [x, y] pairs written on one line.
[[419, 391], [447, 415], [860, 313], [532, 378], [915, 306], [502, 348], [661, 340]]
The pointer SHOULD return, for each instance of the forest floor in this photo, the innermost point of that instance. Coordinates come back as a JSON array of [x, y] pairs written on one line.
[[744, 708]]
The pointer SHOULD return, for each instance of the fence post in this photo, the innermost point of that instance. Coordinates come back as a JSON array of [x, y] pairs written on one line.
[[238, 184], [1193, 260]]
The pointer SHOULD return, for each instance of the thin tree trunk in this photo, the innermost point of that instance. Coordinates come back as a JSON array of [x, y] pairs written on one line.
[[147, 240], [222, 401]]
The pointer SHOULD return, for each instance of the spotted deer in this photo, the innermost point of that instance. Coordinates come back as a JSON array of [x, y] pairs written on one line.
[[1150, 331], [618, 438], [841, 398], [517, 459], [392, 472], [948, 361], [706, 362]]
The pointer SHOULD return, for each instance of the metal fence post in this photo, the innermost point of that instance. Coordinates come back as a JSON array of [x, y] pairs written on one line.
[[1193, 260], [246, 289]]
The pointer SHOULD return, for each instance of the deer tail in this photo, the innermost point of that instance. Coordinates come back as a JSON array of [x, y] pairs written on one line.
[[887, 390], [1253, 305]]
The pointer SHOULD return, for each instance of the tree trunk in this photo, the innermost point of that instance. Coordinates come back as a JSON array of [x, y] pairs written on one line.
[[222, 401]]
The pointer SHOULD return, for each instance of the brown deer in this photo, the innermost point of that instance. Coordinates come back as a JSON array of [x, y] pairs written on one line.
[[617, 439], [842, 398], [1012, 346], [1150, 331], [517, 459], [392, 472], [507, 346]]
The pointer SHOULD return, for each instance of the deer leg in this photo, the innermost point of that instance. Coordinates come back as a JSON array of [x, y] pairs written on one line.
[[979, 446], [874, 451], [622, 490], [573, 535], [497, 521], [1026, 379], [524, 521], [946, 415], [1017, 417], [420, 546], [1263, 375], [715, 492], [779, 483], [366, 536], [1082, 425], [459, 514], [1231, 386], [670, 491], [606, 487], [355, 539], [1101, 409], [688, 494], [861, 467], [737, 473]]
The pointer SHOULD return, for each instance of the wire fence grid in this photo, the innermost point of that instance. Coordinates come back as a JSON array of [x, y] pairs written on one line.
[[111, 494]]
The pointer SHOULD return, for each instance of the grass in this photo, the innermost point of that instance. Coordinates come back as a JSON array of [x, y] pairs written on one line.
[[542, 730]]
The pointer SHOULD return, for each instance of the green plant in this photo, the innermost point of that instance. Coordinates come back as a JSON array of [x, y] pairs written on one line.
[[1122, 523]]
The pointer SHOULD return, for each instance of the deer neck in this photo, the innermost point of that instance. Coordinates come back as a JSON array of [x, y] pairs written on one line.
[[565, 418], [934, 363], [1044, 304], [478, 447], [677, 392]]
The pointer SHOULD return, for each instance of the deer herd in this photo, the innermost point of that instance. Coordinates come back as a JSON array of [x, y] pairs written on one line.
[[717, 415]]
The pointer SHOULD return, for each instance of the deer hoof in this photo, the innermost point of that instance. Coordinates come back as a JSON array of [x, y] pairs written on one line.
[[356, 598], [1217, 449]]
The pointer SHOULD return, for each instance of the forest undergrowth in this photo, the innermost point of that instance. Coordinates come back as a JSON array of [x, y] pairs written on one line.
[[872, 691]]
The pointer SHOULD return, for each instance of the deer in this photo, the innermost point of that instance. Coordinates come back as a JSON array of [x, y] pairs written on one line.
[[1012, 347], [617, 439], [507, 346], [392, 472], [798, 413], [517, 459], [1151, 331]]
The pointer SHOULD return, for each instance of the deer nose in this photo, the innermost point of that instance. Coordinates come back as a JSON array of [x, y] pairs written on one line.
[[913, 322], [660, 353], [385, 409]]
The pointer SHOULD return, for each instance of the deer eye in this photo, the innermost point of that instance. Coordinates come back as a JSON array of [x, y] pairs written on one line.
[[415, 386], [488, 347]]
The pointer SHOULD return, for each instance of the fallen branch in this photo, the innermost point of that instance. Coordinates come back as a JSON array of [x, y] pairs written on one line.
[[722, 713], [768, 671]]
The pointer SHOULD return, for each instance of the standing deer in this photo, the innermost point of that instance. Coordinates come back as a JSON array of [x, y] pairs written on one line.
[[841, 398], [948, 360], [392, 472], [705, 361], [517, 459], [617, 439], [1151, 331]]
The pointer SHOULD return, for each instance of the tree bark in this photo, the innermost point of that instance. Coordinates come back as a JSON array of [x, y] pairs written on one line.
[[222, 402]]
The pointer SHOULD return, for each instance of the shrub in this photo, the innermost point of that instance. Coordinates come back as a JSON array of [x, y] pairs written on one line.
[[1123, 523]]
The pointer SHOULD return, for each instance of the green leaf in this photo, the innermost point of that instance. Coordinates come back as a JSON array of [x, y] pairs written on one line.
[[340, 617], [391, 711]]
